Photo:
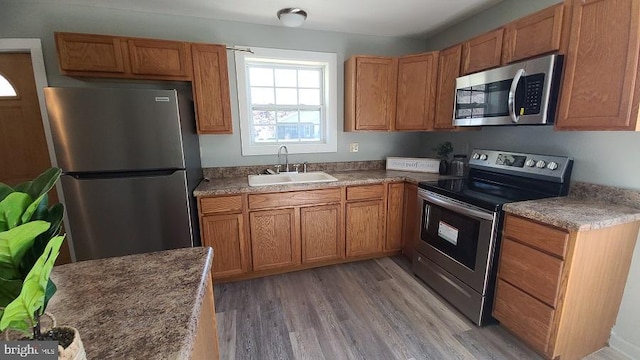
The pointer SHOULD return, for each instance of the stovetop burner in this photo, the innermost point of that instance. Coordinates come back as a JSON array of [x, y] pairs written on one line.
[[499, 177]]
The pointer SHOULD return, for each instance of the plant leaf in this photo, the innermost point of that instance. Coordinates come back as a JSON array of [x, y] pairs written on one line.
[[48, 294], [54, 217], [5, 190], [9, 290], [14, 244], [43, 183], [12, 208], [20, 313]]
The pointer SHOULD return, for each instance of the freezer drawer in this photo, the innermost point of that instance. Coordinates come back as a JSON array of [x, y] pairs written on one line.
[[127, 215]]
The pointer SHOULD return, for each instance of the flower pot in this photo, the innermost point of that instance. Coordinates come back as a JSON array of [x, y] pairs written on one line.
[[75, 351], [444, 167]]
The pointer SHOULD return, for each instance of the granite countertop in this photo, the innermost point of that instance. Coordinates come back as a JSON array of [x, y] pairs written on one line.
[[134, 307], [240, 184], [588, 207]]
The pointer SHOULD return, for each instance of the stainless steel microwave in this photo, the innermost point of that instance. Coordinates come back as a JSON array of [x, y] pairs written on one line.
[[523, 93]]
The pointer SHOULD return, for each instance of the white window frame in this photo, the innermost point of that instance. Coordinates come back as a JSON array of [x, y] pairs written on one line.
[[330, 99]]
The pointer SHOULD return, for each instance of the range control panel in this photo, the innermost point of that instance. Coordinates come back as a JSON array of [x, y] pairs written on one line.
[[547, 167]]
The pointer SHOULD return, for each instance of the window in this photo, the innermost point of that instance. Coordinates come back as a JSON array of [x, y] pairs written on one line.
[[287, 97], [6, 89]]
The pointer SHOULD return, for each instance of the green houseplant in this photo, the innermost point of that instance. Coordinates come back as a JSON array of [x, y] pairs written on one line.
[[30, 241]]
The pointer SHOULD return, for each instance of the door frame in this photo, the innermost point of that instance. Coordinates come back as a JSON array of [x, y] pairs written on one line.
[[34, 48]]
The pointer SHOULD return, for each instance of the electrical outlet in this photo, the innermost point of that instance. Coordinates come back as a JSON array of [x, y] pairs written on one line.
[[353, 147]]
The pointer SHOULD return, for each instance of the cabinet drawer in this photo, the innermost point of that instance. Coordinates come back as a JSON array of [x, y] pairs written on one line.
[[294, 198], [523, 315], [365, 192], [221, 204], [531, 270], [536, 235]]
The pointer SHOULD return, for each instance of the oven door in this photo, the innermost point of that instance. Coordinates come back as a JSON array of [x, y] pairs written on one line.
[[458, 237]]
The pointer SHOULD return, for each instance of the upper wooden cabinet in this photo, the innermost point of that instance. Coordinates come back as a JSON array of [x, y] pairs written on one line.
[[601, 83], [533, 35], [482, 52], [211, 89], [160, 57], [370, 93], [90, 53], [100, 56], [417, 75], [448, 71]]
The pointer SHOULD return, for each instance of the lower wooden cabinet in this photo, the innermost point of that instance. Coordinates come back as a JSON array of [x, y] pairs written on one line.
[[225, 234], [321, 233], [395, 210], [410, 220], [559, 291], [274, 242], [364, 221]]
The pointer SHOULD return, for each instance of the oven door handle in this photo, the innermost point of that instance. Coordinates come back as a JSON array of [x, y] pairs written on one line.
[[512, 96], [459, 208]]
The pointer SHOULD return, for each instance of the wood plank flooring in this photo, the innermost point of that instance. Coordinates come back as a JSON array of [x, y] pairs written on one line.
[[374, 309]]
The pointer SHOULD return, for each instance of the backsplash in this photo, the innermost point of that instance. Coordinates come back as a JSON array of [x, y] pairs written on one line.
[[239, 171]]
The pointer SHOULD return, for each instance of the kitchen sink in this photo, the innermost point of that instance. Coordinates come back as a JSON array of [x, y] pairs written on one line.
[[290, 178]]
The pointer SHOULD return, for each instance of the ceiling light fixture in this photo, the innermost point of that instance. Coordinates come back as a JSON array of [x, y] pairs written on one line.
[[292, 17]]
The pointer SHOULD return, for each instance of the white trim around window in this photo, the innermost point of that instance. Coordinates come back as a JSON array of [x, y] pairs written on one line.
[[327, 108]]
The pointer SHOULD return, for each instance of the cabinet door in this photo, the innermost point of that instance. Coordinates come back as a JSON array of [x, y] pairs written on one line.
[[211, 89], [321, 234], [417, 75], [448, 71], [370, 92], [395, 199], [533, 35], [411, 220], [89, 53], [364, 227], [225, 234], [482, 52], [600, 82], [160, 57], [274, 239]]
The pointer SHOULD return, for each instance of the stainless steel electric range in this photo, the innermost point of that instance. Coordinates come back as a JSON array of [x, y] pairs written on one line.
[[461, 222]]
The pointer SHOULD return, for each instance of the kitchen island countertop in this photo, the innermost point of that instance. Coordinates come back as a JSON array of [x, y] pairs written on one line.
[[142, 306], [588, 207], [238, 185]]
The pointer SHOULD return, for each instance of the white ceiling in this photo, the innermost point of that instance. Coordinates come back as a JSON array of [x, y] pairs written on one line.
[[412, 18]]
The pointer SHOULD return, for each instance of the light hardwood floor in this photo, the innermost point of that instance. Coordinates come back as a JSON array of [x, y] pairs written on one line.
[[374, 309]]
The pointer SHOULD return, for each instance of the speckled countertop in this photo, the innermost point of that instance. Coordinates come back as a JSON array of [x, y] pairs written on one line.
[[240, 184], [134, 307], [588, 207]]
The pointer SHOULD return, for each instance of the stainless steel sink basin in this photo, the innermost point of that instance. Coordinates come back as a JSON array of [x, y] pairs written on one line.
[[292, 178]]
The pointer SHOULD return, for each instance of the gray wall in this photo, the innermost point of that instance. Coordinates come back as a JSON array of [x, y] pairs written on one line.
[[609, 158], [40, 20]]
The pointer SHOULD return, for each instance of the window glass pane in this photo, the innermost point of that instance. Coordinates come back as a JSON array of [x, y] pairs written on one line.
[[5, 88], [309, 96], [287, 116], [260, 76], [309, 132], [264, 133], [286, 97], [288, 132], [286, 77], [262, 96], [309, 78], [261, 117], [310, 117]]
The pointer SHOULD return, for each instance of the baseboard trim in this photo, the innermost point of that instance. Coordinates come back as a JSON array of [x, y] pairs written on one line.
[[625, 347]]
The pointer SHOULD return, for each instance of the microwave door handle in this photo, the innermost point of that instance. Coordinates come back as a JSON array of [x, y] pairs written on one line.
[[512, 95]]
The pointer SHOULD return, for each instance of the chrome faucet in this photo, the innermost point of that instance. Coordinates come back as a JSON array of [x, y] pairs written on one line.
[[286, 157]]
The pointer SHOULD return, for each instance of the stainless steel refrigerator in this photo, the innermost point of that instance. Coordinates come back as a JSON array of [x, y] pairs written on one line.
[[130, 160]]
